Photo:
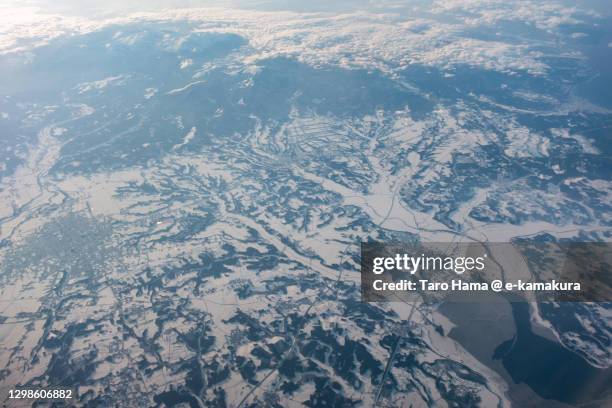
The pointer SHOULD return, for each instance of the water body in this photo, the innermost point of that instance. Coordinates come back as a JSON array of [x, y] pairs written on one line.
[[548, 368], [538, 370]]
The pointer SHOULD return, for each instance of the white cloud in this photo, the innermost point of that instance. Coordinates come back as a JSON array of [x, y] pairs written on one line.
[[545, 16], [22, 28], [381, 41], [186, 63], [102, 83]]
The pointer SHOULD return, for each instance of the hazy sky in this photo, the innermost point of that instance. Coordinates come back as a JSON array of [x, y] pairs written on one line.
[[105, 8]]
